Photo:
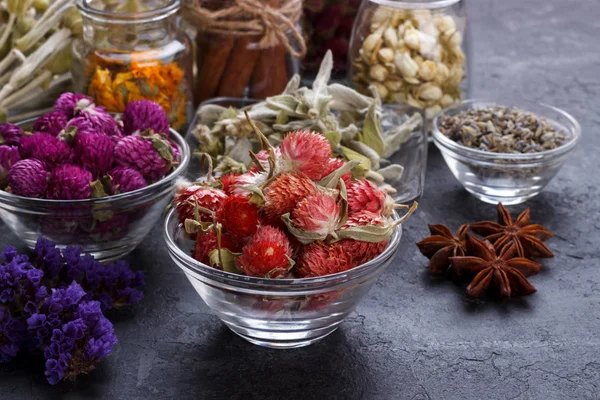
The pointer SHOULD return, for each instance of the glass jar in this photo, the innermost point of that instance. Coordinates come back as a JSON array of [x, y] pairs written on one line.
[[132, 50], [241, 53], [412, 52]]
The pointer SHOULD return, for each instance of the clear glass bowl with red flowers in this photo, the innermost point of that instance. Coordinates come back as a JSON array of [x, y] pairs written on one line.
[[284, 252], [83, 177]]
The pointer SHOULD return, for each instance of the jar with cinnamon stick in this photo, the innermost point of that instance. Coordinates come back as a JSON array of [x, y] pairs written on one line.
[[133, 50], [245, 48]]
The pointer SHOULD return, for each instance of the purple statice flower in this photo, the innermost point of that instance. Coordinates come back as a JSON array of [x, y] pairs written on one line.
[[69, 182], [47, 148], [102, 121], [80, 344], [11, 330], [9, 155], [48, 257], [28, 178], [70, 103], [94, 152], [53, 123], [76, 264], [125, 179], [142, 115], [151, 156], [10, 134]]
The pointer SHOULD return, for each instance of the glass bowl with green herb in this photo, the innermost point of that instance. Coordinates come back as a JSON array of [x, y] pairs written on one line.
[[505, 153]]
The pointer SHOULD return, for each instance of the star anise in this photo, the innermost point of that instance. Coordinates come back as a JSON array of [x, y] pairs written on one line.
[[442, 245], [502, 274], [527, 239]]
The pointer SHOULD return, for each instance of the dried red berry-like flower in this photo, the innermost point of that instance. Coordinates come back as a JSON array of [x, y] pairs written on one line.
[[527, 239], [207, 243], [317, 213], [502, 274], [267, 254], [305, 152], [442, 245], [188, 199], [361, 251], [363, 195], [229, 181], [284, 194], [238, 216], [320, 259]]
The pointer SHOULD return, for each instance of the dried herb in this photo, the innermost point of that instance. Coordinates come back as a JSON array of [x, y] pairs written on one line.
[[526, 238], [503, 274], [501, 129], [442, 245]]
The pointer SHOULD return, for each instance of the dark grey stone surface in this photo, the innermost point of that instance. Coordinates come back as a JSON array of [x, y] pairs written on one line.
[[412, 337]]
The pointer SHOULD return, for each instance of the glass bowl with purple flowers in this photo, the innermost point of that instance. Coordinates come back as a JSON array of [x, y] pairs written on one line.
[[81, 176]]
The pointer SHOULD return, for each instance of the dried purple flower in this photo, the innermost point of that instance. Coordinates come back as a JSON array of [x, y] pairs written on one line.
[[52, 123], [102, 121], [125, 179], [95, 152], [48, 258], [28, 178], [70, 103], [69, 182], [152, 156], [46, 148], [176, 152], [10, 134], [9, 155], [145, 114]]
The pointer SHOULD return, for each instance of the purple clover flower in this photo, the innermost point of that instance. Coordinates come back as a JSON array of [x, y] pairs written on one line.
[[70, 103], [52, 123], [102, 121], [145, 114], [69, 182], [125, 179], [28, 178], [95, 152], [142, 154], [46, 148], [9, 155], [10, 134]]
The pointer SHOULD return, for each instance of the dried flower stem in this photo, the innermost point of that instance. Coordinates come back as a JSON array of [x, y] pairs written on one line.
[[7, 29], [36, 83], [11, 57], [51, 18]]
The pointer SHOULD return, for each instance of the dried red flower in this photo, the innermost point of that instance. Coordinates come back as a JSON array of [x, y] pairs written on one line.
[[267, 254], [238, 216], [527, 239]]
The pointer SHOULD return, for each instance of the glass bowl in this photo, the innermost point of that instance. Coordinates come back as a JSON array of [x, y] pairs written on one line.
[[107, 227], [409, 149], [276, 313], [503, 177]]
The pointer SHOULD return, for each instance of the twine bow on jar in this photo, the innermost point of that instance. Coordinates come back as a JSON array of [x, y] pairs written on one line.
[[275, 25]]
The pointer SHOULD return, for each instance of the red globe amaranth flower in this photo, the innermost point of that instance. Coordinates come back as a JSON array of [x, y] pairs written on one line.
[[317, 213], [238, 216], [125, 180], [206, 243], [267, 254], [9, 155], [47, 148], [249, 178], [284, 194], [229, 181], [263, 158], [333, 165], [52, 123], [139, 153], [70, 103], [95, 152], [10, 134], [69, 182], [306, 152], [28, 178], [188, 198], [360, 251], [364, 195], [145, 114], [320, 259]]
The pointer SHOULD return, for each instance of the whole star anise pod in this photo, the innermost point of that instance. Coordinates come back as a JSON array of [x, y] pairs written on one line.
[[502, 274], [527, 239], [442, 245]]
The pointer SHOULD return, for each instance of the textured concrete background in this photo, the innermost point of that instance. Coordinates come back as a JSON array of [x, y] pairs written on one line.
[[412, 337]]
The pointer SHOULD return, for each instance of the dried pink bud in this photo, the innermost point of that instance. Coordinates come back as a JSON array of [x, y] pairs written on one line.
[[69, 182], [126, 179], [52, 123], [47, 148], [28, 178], [151, 156], [145, 114], [9, 155], [70, 103], [95, 152], [10, 134]]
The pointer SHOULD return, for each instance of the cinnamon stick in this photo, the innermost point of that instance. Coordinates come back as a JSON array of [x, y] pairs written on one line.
[[270, 75], [240, 66], [213, 54]]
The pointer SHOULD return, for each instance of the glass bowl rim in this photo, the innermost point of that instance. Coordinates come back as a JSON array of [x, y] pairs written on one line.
[[164, 11], [180, 170], [417, 4], [237, 279], [442, 140]]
